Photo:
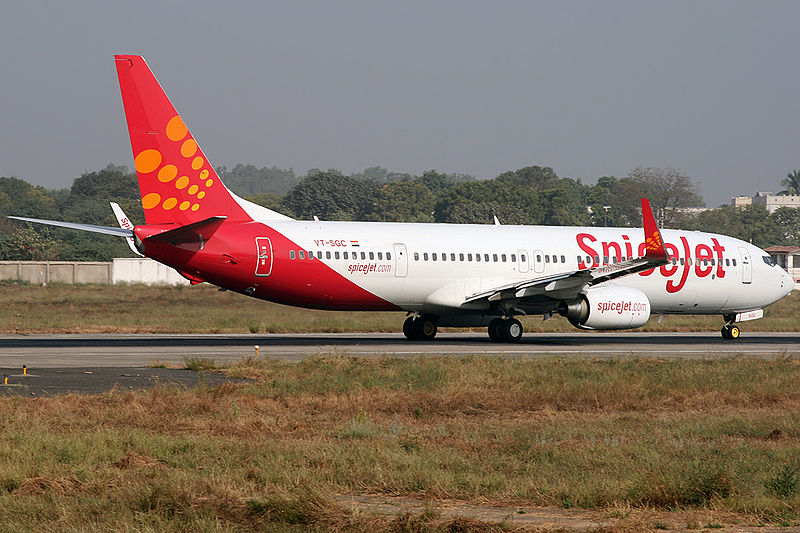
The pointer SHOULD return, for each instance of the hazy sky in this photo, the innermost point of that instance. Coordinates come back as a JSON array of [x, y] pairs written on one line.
[[590, 88]]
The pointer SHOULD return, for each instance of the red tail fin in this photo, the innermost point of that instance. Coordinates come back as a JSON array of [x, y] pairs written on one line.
[[176, 180], [652, 236]]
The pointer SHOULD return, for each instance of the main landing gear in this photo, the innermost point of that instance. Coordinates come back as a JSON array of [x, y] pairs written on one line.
[[505, 330], [420, 328], [730, 331]]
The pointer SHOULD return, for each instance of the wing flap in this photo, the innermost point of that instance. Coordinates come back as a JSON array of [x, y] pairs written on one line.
[[191, 233], [119, 232]]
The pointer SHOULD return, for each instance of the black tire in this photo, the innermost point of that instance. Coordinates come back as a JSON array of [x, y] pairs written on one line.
[[511, 330], [494, 330], [408, 329], [424, 328], [726, 332]]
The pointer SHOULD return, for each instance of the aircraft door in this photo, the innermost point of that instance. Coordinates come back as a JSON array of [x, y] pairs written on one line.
[[522, 260], [400, 260], [747, 266], [538, 261], [264, 264]]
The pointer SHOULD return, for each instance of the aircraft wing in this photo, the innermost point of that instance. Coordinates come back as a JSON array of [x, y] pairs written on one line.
[[567, 285], [119, 232]]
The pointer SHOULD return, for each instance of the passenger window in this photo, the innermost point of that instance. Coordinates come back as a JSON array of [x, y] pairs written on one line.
[[682, 261], [674, 261], [494, 258], [605, 259], [444, 257], [371, 256], [327, 255], [579, 259], [291, 254], [503, 257], [453, 257], [461, 257], [319, 254], [425, 256], [336, 255], [486, 257], [597, 259], [469, 257], [301, 254], [547, 259], [416, 256], [563, 259], [388, 256], [380, 255], [733, 261], [727, 262], [363, 256], [523, 257], [346, 256], [433, 256], [513, 258], [538, 258], [478, 257]]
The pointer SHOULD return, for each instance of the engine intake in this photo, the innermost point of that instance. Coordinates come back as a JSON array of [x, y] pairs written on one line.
[[609, 307]]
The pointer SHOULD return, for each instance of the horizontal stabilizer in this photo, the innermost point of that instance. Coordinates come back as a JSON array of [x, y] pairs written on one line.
[[196, 232], [119, 232]]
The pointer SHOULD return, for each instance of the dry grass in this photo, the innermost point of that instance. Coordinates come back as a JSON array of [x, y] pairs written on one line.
[[203, 309], [644, 443]]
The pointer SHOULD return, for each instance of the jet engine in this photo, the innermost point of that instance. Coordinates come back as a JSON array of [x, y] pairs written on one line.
[[609, 307]]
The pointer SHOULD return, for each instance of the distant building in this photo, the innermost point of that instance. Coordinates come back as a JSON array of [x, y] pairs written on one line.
[[741, 201], [770, 201], [788, 258]]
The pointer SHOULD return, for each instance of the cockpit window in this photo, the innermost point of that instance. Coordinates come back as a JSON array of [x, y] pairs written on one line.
[[769, 260]]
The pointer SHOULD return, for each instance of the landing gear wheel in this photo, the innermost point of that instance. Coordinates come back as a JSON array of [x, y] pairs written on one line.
[[730, 332], [494, 330], [511, 330], [423, 328], [408, 329]]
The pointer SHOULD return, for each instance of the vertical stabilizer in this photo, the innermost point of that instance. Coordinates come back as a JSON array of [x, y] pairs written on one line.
[[177, 182]]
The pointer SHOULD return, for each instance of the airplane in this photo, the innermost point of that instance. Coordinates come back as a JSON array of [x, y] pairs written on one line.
[[442, 275]]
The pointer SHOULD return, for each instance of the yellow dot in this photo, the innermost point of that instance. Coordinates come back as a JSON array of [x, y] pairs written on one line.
[[184, 206], [197, 162], [201, 195], [167, 173], [204, 174], [176, 129], [147, 161], [182, 182], [188, 148], [195, 207], [151, 200], [169, 203], [209, 183], [193, 189]]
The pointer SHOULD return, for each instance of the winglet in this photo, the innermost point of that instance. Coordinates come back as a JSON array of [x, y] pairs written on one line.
[[124, 223], [654, 244]]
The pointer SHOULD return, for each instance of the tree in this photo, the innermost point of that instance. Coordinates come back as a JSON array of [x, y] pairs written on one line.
[[667, 189], [26, 244], [792, 182], [405, 201], [332, 196], [786, 221], [532, 177], [248, 180]]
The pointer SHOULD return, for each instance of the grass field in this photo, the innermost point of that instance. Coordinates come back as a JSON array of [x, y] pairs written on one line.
[[651, 444], [203, 309]]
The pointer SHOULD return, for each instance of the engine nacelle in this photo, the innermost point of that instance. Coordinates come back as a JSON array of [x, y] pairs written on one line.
[[609, 307]]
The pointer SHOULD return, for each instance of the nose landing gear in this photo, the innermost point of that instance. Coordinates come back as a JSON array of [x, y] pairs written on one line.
[[730, 331]]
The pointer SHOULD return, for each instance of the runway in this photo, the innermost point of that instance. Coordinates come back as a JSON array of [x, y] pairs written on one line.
[[130, 351]]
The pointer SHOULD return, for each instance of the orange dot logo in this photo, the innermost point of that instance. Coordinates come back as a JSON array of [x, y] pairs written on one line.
[[169, 203], [176, 129], [201, 195], [193, 189], [151, 200], [197, 162], [188, 148], [203, 175], [167, 173], [147, 161], [195, 207], [182, 182], [184, 206], [209, 183]]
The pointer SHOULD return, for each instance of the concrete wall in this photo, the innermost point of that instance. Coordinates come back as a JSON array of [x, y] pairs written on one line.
[[121, 270], [142, 270]]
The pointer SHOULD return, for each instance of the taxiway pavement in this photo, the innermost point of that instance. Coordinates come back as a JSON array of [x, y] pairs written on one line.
[[129, 351]]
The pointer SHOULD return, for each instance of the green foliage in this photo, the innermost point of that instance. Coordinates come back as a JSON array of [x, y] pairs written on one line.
[[332, 196], [249, 180], [792, 182], [784, 483], [25, 244]]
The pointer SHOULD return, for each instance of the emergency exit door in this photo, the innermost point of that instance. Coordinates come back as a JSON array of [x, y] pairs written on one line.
[[264, 264]]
